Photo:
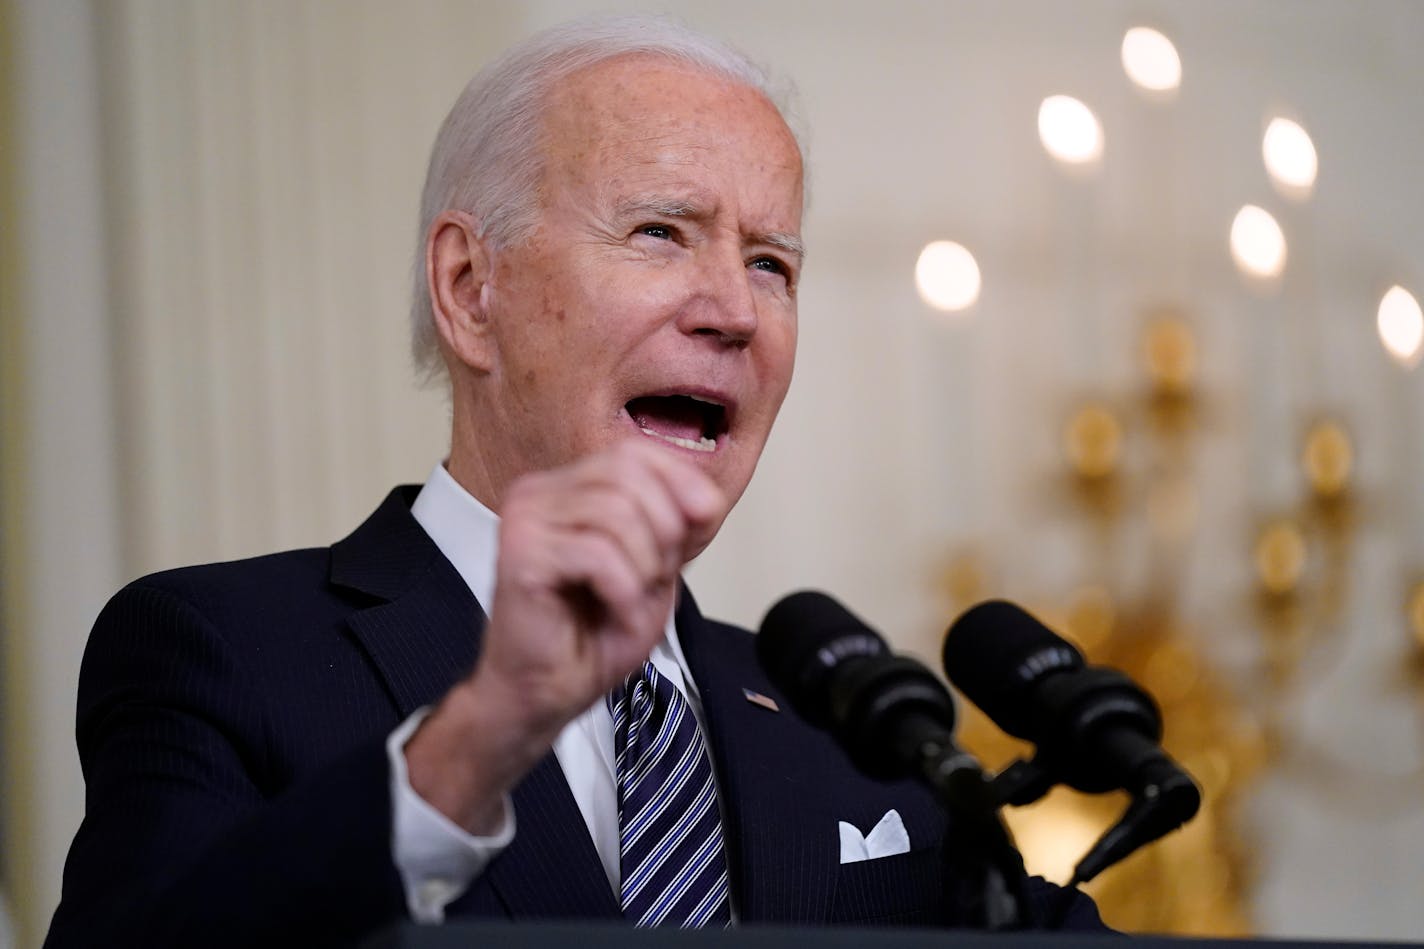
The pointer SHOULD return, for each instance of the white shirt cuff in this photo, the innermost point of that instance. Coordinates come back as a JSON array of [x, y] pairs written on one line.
[[436, 858]]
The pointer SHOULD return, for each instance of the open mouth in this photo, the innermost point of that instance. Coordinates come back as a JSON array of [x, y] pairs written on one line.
[[683, 420]]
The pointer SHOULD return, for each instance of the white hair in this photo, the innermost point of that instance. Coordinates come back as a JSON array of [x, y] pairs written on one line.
[[487, 158]]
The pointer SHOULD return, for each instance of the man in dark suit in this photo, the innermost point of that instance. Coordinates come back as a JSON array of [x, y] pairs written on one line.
[[306, 747]]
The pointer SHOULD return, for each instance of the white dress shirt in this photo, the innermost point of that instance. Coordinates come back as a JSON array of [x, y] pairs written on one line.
[[436, 858]]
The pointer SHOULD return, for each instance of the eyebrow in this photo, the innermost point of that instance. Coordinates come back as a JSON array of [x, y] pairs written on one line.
[[787, 242], [677, 207], [656, 204]]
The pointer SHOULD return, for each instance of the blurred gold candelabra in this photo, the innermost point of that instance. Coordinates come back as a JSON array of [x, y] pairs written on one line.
[[1224, 731], [1129, 471]]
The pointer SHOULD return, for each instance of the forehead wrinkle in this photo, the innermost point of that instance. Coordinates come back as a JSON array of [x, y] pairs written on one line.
[[645, 139]]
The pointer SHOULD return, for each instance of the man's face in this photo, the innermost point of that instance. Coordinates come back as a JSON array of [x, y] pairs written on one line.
[[657, 296]]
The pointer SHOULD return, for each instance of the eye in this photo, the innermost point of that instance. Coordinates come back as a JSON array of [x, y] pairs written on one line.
[[660, 231], [770, 265]]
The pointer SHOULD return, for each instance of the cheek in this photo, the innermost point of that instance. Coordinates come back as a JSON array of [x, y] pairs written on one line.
[[537, 324], [780, 353], [625, 292]]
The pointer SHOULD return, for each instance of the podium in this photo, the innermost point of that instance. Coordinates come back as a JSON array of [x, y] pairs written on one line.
[[603, 935]]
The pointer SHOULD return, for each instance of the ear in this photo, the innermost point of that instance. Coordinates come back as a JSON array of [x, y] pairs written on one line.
[[457, 271]]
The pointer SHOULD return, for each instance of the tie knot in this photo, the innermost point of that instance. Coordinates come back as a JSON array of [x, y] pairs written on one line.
[[643, 681]]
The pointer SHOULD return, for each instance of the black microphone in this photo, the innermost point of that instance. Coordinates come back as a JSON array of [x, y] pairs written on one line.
[[891, 714], [1094, 729]]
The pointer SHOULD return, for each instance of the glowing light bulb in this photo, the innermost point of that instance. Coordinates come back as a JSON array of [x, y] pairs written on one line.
[[1401, 325], [1069, 130], [1257, 242], [947, 276], [1150, 60], [1290, 156]]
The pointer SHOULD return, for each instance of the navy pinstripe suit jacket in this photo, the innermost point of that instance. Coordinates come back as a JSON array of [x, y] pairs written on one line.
[[231, 726]]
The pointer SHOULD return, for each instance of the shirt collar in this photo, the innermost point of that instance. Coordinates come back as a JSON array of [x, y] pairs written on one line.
[[466, 531]]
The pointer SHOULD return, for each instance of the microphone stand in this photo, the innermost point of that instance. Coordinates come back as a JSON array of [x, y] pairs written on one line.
[[1163, 798], [979, 847]]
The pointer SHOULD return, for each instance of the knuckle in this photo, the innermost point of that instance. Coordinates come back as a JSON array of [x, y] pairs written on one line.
[[622, 592], [624, 509]]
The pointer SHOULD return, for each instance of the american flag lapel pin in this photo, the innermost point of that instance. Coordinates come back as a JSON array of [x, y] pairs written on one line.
[[765, 701]]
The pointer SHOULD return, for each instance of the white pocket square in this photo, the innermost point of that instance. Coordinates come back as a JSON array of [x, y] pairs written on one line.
[[887, 839]]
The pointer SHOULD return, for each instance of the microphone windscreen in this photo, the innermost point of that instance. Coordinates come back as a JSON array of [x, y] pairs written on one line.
[[806, 636], [996, 654]]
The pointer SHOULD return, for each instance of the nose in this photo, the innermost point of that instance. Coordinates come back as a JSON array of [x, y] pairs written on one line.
[[723, 305]]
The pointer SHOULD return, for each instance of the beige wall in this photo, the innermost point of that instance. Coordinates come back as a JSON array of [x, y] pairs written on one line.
[[205, 347], [61, 514]]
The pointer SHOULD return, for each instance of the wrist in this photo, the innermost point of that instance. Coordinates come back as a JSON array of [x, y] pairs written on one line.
[[468, 754]]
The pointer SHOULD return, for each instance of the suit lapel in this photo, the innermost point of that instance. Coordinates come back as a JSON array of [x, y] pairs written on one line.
[[422, 627], [425, 641], [552, 869], [422, 633], [782, 847]]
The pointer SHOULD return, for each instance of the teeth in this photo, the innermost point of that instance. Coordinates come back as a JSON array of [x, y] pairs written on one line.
[[702, 444]]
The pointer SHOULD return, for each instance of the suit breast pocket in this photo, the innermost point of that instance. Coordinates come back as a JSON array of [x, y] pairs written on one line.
[[904, 889]]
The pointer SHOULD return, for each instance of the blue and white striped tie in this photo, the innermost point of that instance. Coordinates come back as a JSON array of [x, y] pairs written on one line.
[[674, 868]]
